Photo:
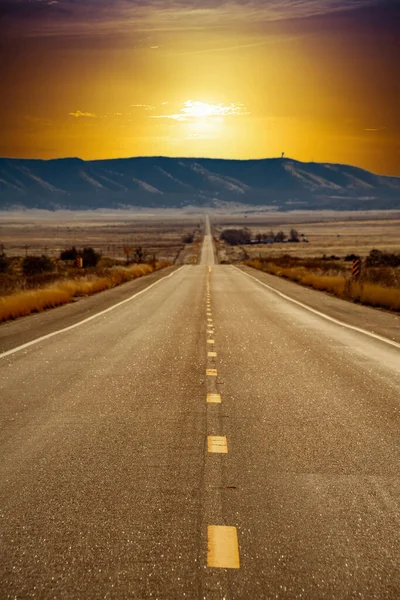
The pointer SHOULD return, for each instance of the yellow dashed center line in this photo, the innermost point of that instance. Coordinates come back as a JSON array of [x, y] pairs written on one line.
[[217, 444], [223, 547], [214, 398]]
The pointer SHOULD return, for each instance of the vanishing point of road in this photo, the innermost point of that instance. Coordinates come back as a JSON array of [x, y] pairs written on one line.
[[205, 432]]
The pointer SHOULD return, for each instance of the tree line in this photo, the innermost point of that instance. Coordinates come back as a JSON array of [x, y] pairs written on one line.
[[236, 237]]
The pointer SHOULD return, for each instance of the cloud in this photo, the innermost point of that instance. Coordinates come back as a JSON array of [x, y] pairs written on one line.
[[145, 106], [192, 110], [79, 114], [77, 16], [375, 129]]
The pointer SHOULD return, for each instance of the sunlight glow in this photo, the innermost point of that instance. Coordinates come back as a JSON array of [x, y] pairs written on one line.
[[192, 109]]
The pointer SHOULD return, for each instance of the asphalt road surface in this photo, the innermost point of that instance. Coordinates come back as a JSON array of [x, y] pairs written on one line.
[[205, 438]]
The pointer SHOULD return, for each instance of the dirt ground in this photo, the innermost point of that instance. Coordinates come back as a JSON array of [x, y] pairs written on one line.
[[161, 233], [42, 233], [336, 234]]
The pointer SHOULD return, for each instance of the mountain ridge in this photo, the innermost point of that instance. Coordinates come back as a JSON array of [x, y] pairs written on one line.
[[163, 182]]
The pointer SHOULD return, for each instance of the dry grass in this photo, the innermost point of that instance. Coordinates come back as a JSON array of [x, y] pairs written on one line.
[[160, 234], [32, 301], [335, 233], [364, 292]]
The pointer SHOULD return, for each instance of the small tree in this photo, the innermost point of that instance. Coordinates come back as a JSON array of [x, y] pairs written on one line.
[[235, 237], [294, 235], [34, 265], [90, 257], [280, 236], [139, 254]]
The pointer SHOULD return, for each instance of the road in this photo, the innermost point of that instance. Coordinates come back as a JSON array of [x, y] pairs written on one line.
[[205, 438]]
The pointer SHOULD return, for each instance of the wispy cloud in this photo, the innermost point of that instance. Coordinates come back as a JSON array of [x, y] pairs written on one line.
[[78, 114], [118, 15], [375, 129], [191, 110], [144, 106]]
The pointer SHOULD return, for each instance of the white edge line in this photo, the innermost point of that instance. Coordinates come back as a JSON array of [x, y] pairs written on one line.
[[99, 314], [321, 314]]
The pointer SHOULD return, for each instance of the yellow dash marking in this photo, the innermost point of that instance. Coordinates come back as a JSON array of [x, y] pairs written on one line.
[[211, 354], [214, 398], [211, 372], [223, 547], [209, 320], [210, 341], [217, 444], [209, 314]]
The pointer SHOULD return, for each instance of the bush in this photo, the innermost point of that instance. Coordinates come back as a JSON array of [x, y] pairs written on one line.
[[33, 265], [4, 263], [188, 238], [69, 254], [90, 257], [351, 257], [377, 258]]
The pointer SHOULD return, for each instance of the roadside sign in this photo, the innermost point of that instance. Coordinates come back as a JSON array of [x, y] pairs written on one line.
[[356, 270]]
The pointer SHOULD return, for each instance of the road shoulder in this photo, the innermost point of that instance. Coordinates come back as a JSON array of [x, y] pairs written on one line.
[[373, 320], [28, 328]]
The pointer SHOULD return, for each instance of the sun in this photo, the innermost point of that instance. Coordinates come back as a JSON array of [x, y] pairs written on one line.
[[200, 109]]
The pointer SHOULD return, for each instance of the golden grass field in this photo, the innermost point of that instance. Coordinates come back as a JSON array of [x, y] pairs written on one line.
[[339, 284], [161, 236], [330, 236], [26, 302], [334, 233], [111, 235], [42, 232]]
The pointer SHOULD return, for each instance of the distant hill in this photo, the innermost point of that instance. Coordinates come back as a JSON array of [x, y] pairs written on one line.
[[285, 184]]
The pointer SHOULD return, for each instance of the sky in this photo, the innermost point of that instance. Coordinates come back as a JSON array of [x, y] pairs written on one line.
[[315, 79]]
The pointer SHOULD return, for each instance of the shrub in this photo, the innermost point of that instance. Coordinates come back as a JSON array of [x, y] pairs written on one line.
[[33, 265], [351, 257], [90, 257], [4, 263], [69, 254], [377, 258], [188, 238]]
